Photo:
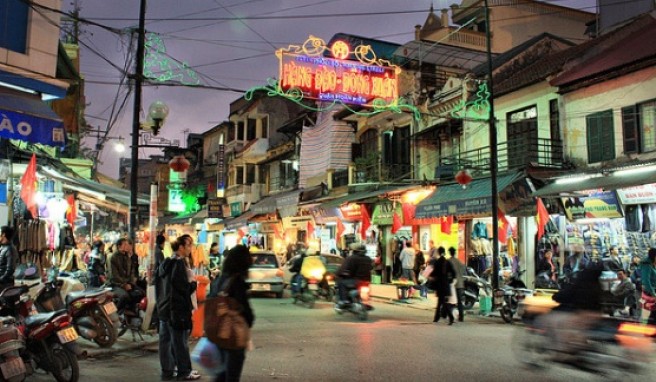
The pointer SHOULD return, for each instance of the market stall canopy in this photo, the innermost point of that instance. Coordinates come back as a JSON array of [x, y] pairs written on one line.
[[29, 119], [453, 200], [610, 181]]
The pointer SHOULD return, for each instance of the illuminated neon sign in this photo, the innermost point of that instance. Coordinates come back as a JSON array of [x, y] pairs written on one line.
[[328, 79], [306, 72]]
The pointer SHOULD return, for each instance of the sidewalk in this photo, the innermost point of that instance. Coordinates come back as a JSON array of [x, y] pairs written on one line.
[[124, 343]]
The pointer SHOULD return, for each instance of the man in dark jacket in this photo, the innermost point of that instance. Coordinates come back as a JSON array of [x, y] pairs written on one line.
[[440, 281], [356, 267], [8, 257], [122, 275], [174, 308]]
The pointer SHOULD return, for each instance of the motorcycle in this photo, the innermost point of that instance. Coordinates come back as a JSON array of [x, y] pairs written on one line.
[[474, 284], [358, 301], [94, 313], [50, 337], [132, 317], [303, 290], [12, 344], [607, 346], [508, 297]]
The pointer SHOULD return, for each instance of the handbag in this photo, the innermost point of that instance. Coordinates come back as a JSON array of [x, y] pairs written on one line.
[[223, 323], [648, 302], [206, 354]]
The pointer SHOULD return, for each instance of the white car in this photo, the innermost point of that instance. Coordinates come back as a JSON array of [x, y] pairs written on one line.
[[265, 275]]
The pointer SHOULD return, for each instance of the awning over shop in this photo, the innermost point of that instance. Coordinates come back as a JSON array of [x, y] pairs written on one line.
[[452, 199], [285, 203], [29, 119], [239, 221], [364, 195], [613, 181]]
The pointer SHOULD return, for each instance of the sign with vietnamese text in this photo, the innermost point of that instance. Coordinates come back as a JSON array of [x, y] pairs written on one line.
[[597, 204], [645, 194], [214, 208]]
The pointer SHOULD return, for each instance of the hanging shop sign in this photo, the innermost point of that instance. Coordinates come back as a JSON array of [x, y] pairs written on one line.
[[296, 222], [214, 208], [351, 212], [337, 74], [220, 172], [516, 198], [175, 200], [235, 209], [25, 127], [645, 194], [597, 204], [384, 213]]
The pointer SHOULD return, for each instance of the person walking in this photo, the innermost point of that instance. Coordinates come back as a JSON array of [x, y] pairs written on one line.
[[460, 270], [233, 282], [175, 307], [648, 282], [440, 280], [8, 257]]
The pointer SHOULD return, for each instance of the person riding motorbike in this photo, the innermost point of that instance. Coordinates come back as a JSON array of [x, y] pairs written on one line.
[[297, 264], [356, 267]]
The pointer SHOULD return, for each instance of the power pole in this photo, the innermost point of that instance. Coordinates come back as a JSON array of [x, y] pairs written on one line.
[[136, 124]]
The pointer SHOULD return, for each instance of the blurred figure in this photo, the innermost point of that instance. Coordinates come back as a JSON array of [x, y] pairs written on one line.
[[407, 258], [613, 262], [96, 270], [577, 262], [460, 272], [440, 281], [8, 257], [356, 267], [648, 274]]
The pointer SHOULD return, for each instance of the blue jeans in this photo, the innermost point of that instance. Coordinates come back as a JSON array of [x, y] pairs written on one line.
[[174, 350], [232, 363]]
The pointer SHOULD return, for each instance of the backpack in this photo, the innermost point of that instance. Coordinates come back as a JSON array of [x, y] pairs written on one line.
[[223, 323]]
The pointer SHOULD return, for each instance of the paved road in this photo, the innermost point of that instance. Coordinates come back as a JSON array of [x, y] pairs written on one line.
[[293, 343]]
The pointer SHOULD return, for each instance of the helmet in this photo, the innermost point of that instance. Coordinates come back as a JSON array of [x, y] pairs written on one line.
[[357, 248]]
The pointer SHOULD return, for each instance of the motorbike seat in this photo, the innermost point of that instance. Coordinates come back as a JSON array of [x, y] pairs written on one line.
[[40, 318], [76, 295]]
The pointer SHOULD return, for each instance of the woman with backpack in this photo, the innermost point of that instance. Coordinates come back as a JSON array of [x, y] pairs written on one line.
[[233, 282]]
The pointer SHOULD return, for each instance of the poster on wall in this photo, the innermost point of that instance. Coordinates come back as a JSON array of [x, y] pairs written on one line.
[[593, 204]]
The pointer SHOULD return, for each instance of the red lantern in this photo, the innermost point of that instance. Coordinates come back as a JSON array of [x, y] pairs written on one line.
[[463, 177], [179, 163]]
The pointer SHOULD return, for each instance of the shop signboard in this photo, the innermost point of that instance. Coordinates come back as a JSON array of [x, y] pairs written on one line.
[[593, 204], [351, 212], [516, 199], [383, 213], [645, 194], [460, 208], [322, 215], [214, 208], [220, 171], [235, 209], [175, 200], [296, 222]]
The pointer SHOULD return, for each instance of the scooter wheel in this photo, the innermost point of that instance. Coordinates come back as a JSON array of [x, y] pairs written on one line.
[[506, 314], [107, 333], [363, 314]]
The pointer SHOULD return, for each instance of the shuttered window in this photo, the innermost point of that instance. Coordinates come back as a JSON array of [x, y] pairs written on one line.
[[646, 122], [600, 134], [630, 129]]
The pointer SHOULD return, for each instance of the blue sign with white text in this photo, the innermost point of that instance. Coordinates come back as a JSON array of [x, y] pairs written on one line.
[[24, 127]]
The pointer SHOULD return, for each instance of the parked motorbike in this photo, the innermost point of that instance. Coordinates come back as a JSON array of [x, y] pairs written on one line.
[[606, 346], [94, 313], [132, 317], [508, 297], [474, 285], [358, 301], [12, 344], [50, 337]]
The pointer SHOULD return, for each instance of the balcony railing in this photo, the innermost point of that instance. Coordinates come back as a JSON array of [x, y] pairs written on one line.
[[511, 156], [382, 173]]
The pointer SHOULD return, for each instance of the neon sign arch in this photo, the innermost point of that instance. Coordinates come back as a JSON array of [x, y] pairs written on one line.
[[306, 72]]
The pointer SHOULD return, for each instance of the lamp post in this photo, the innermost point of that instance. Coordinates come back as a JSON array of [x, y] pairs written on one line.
[[493, 156]]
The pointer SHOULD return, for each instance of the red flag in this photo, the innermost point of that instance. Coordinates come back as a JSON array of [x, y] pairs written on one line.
[[541, 218], [445, 224], [28, 187], [366, 221], [408, 213], [71, 211], [340, 229], [396, 223], [276, 231], [310, 229], [502, 227]]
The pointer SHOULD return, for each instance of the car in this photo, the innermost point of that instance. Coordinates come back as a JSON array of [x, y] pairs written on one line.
[[332, 263], [265, 275]]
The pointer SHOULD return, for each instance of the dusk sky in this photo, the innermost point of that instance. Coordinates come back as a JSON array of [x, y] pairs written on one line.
[[227, 53]]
